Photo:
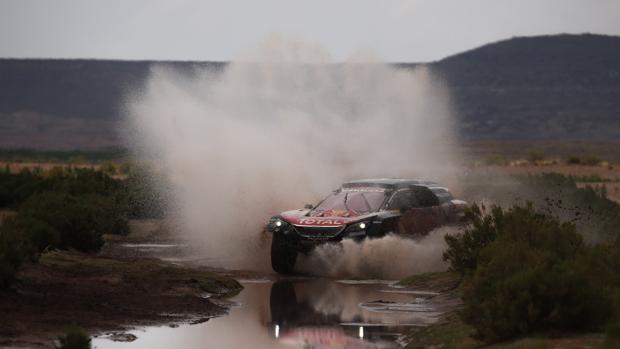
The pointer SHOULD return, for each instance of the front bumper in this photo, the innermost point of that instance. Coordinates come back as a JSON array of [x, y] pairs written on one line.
[[307, 237]]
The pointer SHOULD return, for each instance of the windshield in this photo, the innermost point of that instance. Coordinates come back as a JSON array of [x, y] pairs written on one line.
[[350, 203]]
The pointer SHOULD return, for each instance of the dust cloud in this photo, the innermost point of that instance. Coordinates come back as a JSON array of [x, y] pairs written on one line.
[[281, 127]]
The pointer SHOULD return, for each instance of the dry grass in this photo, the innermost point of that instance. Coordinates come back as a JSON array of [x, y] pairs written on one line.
[[16, 167]]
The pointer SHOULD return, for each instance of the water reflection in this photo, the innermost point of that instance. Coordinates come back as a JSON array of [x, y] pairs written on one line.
[[304, 313]]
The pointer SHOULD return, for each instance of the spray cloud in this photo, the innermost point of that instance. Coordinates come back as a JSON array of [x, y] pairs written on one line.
[[282, 127]]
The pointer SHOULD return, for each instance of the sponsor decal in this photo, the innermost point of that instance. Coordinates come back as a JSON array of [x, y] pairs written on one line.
[[321, 221]]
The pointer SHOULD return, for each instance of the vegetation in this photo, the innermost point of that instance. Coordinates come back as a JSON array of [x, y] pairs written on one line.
[[495, 159], [133, 194], [74, 338], [452, 332], [56, 156], [596, 217], [586, 160], [14, 250], [535, 156], [525, 271], [449, 334], [594, 178], [77, 222], [67, 208]]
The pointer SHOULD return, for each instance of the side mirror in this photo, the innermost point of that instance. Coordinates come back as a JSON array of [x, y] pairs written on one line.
[[308, 206]]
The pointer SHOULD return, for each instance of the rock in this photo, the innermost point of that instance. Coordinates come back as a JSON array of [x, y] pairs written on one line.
[[123, 337]]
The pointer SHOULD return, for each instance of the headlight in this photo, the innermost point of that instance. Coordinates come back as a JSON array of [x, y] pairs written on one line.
[[357, 226], [357, 229], [276, 224]]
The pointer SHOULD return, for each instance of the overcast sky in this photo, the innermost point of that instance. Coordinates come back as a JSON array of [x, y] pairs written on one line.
[[395, 30]]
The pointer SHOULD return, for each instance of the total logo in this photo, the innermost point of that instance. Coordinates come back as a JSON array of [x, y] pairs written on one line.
[[318, 221]]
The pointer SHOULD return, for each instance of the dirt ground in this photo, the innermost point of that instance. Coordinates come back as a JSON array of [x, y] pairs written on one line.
[[102, 295]]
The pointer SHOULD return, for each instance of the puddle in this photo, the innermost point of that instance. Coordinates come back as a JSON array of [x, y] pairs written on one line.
[[413, 292], [298, 313], [150, 246]]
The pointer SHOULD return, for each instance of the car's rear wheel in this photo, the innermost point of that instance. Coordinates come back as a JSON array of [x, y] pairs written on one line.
[[283, 255]]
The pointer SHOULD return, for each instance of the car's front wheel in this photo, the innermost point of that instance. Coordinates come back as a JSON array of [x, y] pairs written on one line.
[[283, 255]]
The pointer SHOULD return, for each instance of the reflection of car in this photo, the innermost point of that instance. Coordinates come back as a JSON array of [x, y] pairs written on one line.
[[362, 209], [295, 321]]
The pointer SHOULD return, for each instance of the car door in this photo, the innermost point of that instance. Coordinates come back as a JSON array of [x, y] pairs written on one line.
[[423, 213]]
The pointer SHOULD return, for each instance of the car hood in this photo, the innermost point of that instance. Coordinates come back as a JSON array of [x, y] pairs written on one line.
[[301, 218]]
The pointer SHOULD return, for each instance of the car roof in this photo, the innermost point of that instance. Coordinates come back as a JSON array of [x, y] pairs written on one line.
[[389, 183]]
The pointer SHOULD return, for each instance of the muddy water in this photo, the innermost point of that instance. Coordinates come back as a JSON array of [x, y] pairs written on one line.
[[304, 312]]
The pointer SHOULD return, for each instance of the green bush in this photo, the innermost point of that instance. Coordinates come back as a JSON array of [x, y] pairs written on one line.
[[586, 160], [74, 338], [134, 196], [526, 271], [14, 250], [38, 234], [111, 216], [80, 221], [464, 249], [139, 196], [535, 156], [495, 159]]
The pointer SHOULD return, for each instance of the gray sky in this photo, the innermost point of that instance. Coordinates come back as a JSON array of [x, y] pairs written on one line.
[[395, 30]]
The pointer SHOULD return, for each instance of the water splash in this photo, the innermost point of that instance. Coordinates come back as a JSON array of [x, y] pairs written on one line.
[[281, 127], [390, 257]]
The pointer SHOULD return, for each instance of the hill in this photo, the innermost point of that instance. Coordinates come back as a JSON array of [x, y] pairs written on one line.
[[69, 104], [562, 87], [548, 87]]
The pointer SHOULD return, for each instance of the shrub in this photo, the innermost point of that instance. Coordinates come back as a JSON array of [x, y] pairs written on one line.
[[109, 168], [464, 249], [133, 197], [110, 216], [140, 197], [125, 168], [526, 271], [586, 160], [590, 160], [39, 234], [15, 188], [80, 221], [495, 159], [14, 250], [74, 338], [535, 156]]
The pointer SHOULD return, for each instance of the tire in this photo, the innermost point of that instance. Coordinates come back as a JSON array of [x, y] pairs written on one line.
[[283, 255], [283, 304]]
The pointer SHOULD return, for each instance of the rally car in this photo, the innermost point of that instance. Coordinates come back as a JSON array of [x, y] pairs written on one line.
[[362, 209]]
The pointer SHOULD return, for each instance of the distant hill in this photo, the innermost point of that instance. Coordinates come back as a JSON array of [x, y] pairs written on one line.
[[69, 104], [547, 87]]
